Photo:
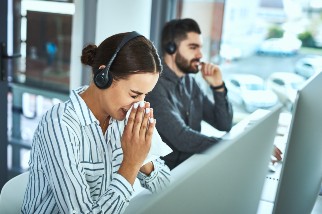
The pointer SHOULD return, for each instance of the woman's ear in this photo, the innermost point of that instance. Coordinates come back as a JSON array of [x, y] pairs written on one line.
[[102, 67]]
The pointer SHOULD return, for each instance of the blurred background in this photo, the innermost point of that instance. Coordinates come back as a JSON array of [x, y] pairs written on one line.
[[266, 49]]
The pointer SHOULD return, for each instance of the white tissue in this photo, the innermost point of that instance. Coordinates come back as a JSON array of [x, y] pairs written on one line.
[[158, 147]]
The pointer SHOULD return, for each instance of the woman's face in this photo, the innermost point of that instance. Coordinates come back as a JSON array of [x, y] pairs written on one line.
[[123, 93]]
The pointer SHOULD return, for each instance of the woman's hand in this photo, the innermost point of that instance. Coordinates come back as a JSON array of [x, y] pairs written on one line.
[[136, 140]]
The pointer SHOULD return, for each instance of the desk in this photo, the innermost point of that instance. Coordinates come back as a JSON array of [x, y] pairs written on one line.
[[270, 187], [267, 207]]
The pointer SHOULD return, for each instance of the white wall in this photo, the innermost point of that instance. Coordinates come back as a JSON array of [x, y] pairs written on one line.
[[117, 16], [76, 46], [113, 16], [202, 12]]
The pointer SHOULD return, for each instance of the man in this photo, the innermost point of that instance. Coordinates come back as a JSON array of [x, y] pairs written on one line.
[[178, 102]]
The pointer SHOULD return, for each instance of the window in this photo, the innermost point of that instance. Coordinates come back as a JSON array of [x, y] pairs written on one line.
[[46, 28]]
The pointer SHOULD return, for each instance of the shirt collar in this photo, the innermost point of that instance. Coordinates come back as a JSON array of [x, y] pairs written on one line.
[[84, 114], [170, 75]]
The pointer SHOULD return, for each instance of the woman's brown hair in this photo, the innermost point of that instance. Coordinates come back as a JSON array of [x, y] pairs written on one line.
[[137, 55]]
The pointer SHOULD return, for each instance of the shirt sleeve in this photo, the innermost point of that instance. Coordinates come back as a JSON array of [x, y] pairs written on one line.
[[220, 113], [172, 127], [66, 177], [159, 178]]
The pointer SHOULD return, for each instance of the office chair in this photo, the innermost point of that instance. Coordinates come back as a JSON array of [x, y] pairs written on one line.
[[12, 194]]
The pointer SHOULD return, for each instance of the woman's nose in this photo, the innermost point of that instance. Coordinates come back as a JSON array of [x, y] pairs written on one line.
[[141, 97]]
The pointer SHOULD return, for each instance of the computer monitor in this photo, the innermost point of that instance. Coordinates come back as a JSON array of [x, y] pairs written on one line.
[[227, 178], [301, 172]]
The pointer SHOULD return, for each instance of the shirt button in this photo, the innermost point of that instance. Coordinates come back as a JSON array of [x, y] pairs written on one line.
[[187, 113], [74, 211]]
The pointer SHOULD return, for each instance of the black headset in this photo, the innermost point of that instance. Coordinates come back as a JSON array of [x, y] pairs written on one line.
[[171, 46], [103, 77]]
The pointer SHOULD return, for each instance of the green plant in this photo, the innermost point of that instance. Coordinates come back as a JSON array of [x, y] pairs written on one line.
[[275, 32], [307, 39]]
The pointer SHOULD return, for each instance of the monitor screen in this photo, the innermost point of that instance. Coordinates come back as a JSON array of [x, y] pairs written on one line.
[[301, 173], [227, 178]]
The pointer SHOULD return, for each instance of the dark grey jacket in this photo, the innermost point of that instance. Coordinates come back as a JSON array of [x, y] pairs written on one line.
[[179, 106]]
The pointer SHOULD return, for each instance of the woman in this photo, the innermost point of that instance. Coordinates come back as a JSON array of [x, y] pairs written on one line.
[[84, 157]]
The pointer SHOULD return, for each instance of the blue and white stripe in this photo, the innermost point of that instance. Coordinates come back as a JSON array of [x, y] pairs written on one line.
[[73, 165]]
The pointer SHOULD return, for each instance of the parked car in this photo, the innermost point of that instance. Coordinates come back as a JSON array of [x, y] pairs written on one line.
[[285, 86], [309, 65], [250, 91], [280, 46]]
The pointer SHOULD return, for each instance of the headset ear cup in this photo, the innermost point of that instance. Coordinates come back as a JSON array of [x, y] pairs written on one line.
[[103, 80], [103, 77], [109, 79], [171, 48]]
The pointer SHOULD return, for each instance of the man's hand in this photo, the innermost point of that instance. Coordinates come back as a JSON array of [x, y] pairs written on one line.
[[277, 153], [212, 74]]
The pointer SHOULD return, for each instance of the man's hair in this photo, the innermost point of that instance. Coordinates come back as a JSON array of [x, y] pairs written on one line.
[[176, 30]]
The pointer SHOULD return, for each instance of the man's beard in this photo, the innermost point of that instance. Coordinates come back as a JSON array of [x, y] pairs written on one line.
[[185, 66]]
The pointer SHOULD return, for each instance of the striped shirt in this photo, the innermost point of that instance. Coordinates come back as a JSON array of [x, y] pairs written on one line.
[[73, 165]]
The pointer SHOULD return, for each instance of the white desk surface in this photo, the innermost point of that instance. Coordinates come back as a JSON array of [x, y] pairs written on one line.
[[267, 207]]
